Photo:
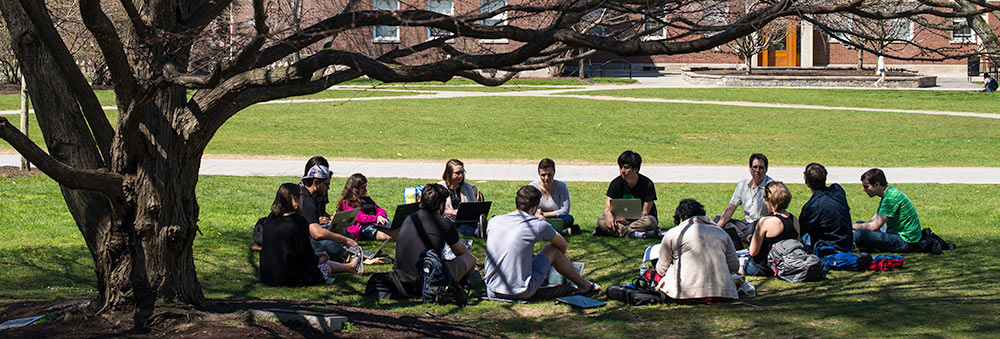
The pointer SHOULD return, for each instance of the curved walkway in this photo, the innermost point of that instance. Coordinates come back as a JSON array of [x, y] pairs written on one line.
[[527, 172]]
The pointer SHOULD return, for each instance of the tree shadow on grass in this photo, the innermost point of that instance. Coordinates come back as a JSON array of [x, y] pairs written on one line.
[[41, 272]]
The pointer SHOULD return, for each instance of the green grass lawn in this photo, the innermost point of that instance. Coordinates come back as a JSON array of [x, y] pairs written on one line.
[[568, 129], [512, 88], [954, 294], [512, 82], [952, 101], [13, 101]]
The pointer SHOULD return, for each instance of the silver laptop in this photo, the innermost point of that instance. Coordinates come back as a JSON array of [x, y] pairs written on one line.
[[340, 221], [630, 209]]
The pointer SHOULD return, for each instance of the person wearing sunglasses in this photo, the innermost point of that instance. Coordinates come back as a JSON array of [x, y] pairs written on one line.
[[748, 193]]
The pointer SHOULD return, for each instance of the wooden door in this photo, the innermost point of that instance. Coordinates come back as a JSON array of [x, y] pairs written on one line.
[[784, 53]]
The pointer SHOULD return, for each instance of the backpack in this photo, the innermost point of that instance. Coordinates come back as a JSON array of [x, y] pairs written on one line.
[[258, 233], [932, 243], [847, 261], [635, 296], [438, 285], [886, 262], [648, 277], [385, 285], [791, 263]]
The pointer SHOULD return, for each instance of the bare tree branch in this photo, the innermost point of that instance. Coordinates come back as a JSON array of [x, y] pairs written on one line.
[[74, 178], [111, 46], [92, 111]]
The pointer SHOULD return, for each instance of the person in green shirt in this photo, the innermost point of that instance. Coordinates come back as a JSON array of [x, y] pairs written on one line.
[[895, 211]]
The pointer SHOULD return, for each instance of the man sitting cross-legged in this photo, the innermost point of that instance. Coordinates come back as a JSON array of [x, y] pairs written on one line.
[[630, 185], [513, 271], [425, 230], [895, 211]]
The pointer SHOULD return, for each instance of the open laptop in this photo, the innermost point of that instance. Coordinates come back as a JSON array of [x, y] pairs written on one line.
[[402, 211], [340, 221], [469, 212], [556, 279], [630, 209]]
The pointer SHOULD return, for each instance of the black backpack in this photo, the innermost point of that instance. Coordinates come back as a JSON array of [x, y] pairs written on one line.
[[438, 284], [258, 232], [634, 296], [386, 285], [932, 243]]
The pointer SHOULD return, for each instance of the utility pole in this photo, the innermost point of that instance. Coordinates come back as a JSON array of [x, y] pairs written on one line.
[[25, 165]]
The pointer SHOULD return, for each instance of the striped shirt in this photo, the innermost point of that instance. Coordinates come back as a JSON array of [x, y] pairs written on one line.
[[902, 216]]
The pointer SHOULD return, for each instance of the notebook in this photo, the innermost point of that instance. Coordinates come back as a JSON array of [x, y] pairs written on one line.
[[580, 301], [557, 224]]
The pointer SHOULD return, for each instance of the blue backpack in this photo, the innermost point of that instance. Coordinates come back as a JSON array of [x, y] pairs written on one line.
[[847, 261]]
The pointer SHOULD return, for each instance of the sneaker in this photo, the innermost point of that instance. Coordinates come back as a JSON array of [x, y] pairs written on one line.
[[651, 234]]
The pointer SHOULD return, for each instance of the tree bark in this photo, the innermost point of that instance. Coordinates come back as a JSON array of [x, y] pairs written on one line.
[[25, 165], [141, 241]]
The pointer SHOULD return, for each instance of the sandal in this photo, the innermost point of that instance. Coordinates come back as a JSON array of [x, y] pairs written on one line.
[[594, 288]]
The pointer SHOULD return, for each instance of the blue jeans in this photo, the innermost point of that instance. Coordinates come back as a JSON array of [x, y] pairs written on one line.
[[881, 241], [567, 220]]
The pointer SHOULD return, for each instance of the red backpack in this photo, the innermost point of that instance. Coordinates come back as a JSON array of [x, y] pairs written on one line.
[[886, 262]]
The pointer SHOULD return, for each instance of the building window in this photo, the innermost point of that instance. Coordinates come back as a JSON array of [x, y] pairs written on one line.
[[385, 33], [596, 17], [486, 6], [652, 32], [901, 29], [963, 34], [443, 7]]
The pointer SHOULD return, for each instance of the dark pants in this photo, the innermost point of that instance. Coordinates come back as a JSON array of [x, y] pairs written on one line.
[[882, 241]]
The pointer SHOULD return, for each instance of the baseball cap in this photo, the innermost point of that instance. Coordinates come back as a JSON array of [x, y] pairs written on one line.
[[317, 172]]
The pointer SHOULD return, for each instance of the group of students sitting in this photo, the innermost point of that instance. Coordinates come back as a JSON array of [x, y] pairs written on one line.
[[299, 250]]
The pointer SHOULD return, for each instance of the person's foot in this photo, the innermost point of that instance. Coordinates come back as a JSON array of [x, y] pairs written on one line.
[[593, 288], [356, 263]]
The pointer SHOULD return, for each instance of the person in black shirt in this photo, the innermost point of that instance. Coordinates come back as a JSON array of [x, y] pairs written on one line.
[[826, 218], [287, 258], [989, 84], [315, 185], [427, 229], [630, 185]]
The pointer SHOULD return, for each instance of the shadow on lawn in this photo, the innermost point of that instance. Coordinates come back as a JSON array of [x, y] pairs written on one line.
[[45, 268]]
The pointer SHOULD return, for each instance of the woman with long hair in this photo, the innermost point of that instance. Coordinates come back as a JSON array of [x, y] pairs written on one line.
[[370, 215], [287, 258], [459, 191]]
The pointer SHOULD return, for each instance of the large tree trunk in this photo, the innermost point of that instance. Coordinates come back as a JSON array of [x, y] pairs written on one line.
[[141, 242]]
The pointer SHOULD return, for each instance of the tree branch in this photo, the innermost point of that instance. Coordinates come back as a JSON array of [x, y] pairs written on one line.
[[100, 127], [111, 46], [74, 178]]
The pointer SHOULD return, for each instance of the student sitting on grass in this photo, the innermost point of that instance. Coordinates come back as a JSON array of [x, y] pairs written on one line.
[[697, 258], [314, 188], [425, 230], [630, 185], [748, 194], [895, 211], [778, 226], [459, 191], [513, 271], [989, 84], [555, 195], [355, 195], [825, 218], [287, 257]]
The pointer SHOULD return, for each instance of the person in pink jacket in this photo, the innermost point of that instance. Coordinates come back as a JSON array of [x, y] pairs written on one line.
[[355, 195]]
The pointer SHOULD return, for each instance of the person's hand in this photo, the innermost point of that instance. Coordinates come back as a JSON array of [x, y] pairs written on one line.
[[351, 243], [381, 220], [324, 219], [323, 257]]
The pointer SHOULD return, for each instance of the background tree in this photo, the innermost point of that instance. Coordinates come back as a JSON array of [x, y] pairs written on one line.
[[131, 188], [746, 47]]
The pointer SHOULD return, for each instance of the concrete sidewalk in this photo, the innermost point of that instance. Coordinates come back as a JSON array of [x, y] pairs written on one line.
[[527, 172]]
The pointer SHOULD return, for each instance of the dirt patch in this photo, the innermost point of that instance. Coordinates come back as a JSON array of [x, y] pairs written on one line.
[[16, 172], [806, 72], [228, 319]]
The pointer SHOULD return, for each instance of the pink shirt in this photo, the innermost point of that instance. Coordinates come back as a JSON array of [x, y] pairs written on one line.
[[362, 218]]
